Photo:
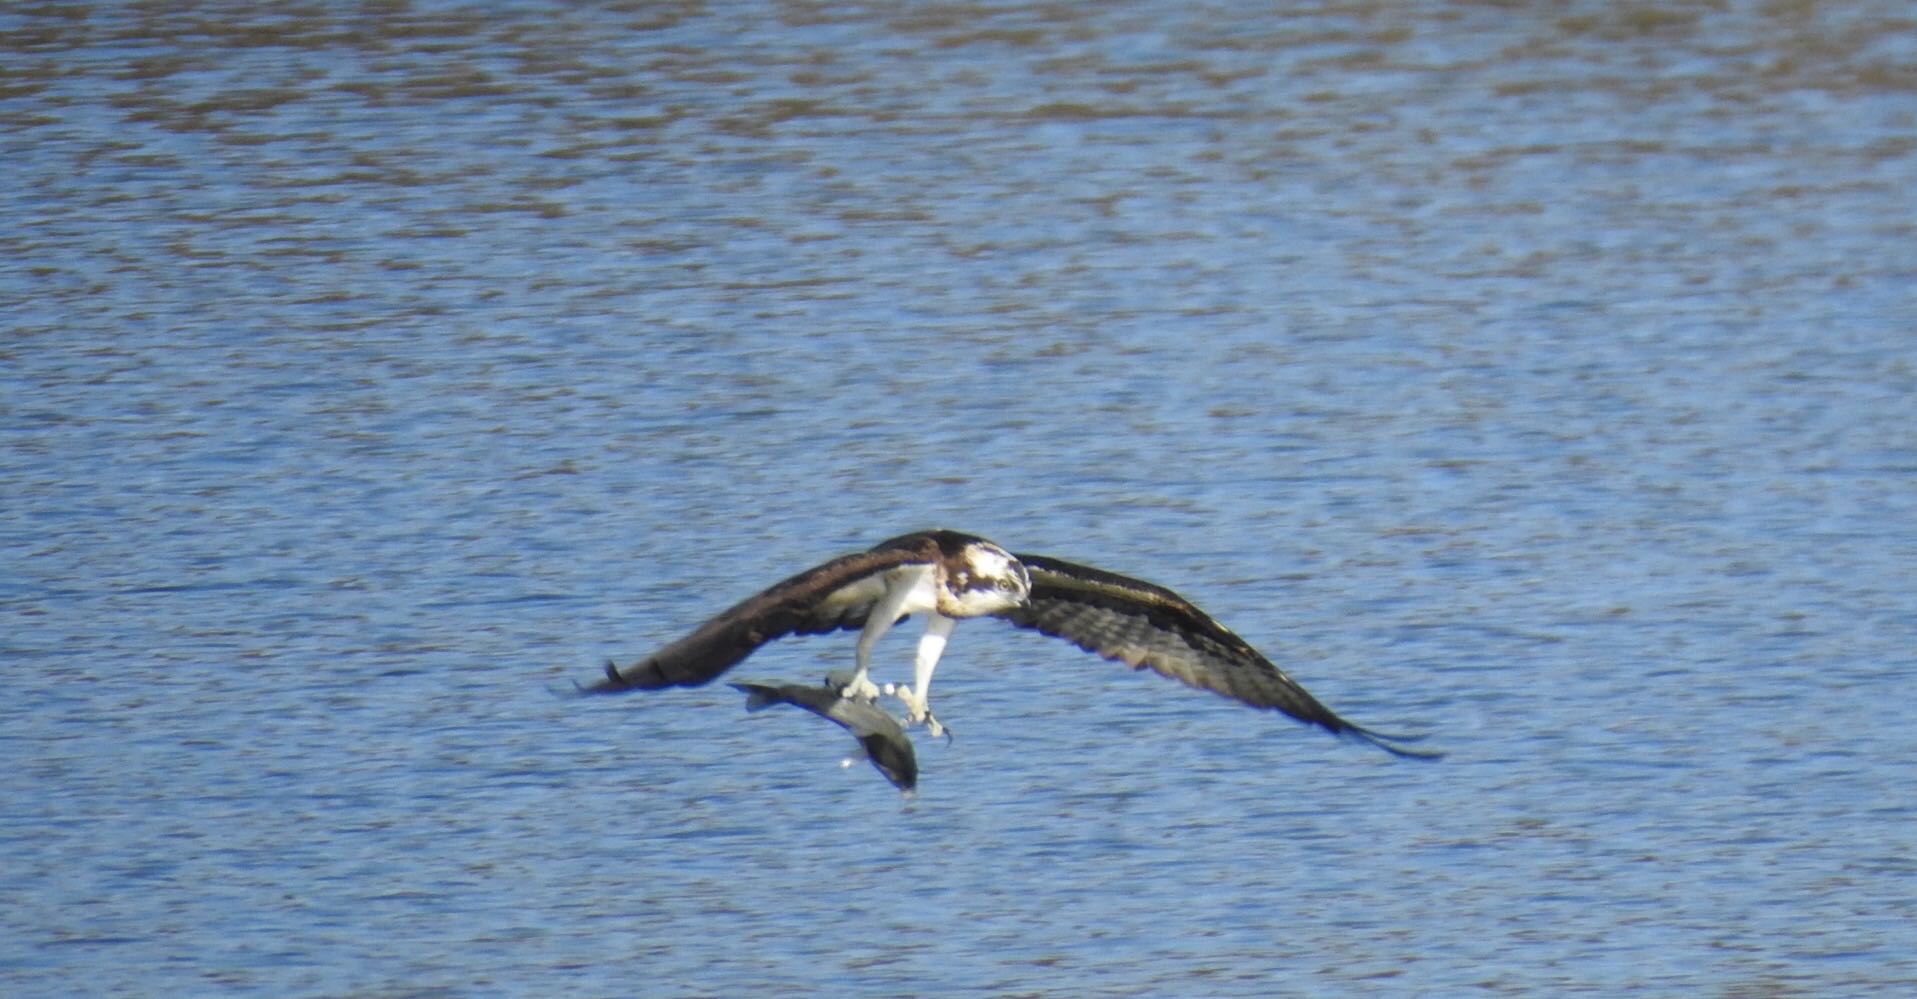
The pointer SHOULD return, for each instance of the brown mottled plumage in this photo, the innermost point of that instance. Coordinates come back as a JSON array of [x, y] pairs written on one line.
[[836, 595], [1146, 626]]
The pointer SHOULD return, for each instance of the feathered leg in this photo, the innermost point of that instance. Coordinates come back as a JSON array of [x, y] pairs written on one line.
[[878, 621]]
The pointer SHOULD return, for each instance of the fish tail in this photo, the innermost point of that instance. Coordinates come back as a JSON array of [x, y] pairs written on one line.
[[758, 698]]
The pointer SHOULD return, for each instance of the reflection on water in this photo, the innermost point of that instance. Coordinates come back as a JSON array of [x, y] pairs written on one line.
[[1535, 379]]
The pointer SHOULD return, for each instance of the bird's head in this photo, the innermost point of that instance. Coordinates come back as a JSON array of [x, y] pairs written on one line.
[[981, 578]]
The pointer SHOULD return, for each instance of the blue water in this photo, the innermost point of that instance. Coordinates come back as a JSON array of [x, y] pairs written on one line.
[[1538, 384]]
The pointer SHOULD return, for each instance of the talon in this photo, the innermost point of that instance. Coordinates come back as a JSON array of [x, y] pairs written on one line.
[[935, 728], [919, 712], [851, 687]]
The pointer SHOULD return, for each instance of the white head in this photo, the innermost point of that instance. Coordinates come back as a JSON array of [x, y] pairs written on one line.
[[981, 578]]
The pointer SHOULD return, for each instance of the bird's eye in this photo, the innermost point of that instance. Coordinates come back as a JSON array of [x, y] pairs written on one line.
[[1008, 585]]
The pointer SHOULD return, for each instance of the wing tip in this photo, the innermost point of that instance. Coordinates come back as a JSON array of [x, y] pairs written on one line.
[[612, 683], [1391, 743], [648, 674]]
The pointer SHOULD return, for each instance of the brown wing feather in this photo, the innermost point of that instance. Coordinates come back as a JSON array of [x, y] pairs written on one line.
[[791, 607], [1146, 626]]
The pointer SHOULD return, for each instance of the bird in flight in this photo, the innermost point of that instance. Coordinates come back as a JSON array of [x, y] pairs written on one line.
[[946, 576]]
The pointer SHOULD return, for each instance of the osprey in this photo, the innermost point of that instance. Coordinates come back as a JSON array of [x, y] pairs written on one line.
[[946, 575]]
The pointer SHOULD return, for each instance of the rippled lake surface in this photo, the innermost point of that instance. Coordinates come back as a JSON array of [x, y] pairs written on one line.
[[1538, 382]]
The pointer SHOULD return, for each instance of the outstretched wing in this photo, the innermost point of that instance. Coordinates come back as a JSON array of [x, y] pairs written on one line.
[[1146, 626], [824, 598], [879, 734]]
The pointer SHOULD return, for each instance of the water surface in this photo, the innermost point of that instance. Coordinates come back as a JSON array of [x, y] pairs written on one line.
[[1537, 383]]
